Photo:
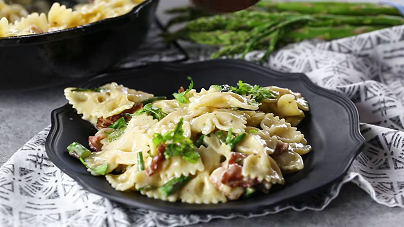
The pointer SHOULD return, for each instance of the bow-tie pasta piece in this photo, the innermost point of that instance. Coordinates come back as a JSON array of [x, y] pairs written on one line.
[[33, 24], [61, 17], [201, 190], [278, 127], [221, 120], [222, 100], [109, 100]]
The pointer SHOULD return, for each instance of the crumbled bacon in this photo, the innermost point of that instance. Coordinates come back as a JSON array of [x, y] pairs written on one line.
[[95, 141], [105, 122], [238, 158], [181, 89], [232, 174], [281, 148], [156, 160]]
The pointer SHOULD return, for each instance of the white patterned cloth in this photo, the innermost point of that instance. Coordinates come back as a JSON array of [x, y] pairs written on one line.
[[367, 68]]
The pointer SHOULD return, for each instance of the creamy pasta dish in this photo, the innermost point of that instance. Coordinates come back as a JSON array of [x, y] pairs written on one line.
[[209, 146], [14, 20]]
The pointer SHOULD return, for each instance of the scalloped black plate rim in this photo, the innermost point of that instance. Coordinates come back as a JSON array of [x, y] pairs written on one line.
[[167, 207]]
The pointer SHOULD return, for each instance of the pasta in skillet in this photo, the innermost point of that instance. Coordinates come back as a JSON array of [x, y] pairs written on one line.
[[210, 146], [15, 21]]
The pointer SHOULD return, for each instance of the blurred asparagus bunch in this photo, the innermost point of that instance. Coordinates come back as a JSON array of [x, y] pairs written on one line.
[[270, 25]]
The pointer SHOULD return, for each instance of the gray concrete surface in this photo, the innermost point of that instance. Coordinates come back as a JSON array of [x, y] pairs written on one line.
[[26, 112]]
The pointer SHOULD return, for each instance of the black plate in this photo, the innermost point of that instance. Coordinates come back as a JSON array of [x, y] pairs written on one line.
[[76, 52], [331, 127]]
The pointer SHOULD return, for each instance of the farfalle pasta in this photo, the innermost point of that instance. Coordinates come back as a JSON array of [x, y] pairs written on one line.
[[203, 147], [15, 21]]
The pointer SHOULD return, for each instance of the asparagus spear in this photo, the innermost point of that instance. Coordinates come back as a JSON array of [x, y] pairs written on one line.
[[339, 8], [173, 185], [226, 38], [274, 39], [296, 35], [331, 20], [326, 33], [276, 27]]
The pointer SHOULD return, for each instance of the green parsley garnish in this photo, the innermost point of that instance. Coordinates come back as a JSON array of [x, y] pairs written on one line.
[[199, 141], [236, 140], [229, 140], [156, 112], [256, 92], [86, 89], [140, 161], [252, 131], [100, 170], [216, 87], [181, 96], [78, 151], [177, 144], [150, 100], [249, 192], [118, 123], [116, 134], [220, 134]]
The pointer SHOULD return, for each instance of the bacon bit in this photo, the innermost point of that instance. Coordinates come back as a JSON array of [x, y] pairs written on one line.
[[235, 157], [95, 141], [105, 122], [232, 174], [281, 148], [230, 193], [156, 160], [181, 89]]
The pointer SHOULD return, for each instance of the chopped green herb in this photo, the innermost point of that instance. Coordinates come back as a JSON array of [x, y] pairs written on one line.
[[229, 140], [178, 144], [150, 100], [140, 161], [199, 141], [229, 136], [181, 96], [236, 140], [118, 123], [116, 134], [239, 161], [147, 188], [157, 113], [221, 135], [173, 185], [253, 131], [216, 87], [249, 191], [256, 92], [78, 151], [100, 170], [86, 89]]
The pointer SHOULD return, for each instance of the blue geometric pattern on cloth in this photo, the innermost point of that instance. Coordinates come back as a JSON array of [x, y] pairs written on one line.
[[369, 69]]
